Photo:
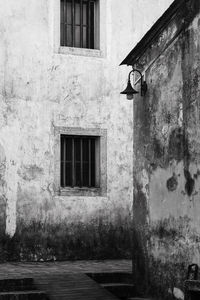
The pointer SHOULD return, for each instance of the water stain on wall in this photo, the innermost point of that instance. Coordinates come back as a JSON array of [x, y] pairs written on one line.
[[190, 183], [177, 142], [172, 183], [30, 172]]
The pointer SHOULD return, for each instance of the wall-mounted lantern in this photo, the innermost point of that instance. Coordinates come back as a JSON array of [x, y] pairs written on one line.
[[130, 91]]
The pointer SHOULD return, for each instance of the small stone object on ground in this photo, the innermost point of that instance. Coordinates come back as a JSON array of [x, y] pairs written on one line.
[[178, 294]]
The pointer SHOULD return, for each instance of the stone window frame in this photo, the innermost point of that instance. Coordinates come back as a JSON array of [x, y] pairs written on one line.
[[85, 191], [101, 52]]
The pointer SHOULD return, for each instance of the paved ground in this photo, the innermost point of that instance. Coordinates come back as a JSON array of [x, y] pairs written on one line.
[[66, 280], [34, 268]]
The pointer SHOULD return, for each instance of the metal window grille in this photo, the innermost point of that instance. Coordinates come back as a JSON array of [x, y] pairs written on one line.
[[78, 23], [78, 161]]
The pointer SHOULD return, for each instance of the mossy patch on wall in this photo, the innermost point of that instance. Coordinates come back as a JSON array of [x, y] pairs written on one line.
[[39, 241]]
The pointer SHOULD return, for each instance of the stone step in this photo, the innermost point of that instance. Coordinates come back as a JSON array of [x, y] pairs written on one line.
[[16, 284], [112, 277], [23, 295], [120, 290]]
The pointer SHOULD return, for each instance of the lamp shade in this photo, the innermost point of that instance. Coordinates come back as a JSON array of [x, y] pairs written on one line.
[[129, 91]]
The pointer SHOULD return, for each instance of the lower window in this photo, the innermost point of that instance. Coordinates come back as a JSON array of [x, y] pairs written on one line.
[[80, 159]]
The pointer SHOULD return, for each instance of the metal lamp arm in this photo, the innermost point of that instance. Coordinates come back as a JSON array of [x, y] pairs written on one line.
[[135, 70], [143, 83]]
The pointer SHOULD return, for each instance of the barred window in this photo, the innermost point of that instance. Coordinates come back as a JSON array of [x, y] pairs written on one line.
[[79, 161], [79, 23]]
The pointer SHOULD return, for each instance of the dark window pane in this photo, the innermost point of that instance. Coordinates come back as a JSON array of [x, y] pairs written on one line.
[[69, 12], [85, 173], [62, 43], [93, 175], [77, 36], [84, 37], [62, 148], [68, 149], [68, 172], [65, 35], [77, 174], [85, 22], [62, 175], [69, 36], [85, 150], [85, 162], [77, 13], [92, 25], [93, 150], [77, 164], [77, 146], [93, 171], [62, 11], [66, 161], [62, 25]]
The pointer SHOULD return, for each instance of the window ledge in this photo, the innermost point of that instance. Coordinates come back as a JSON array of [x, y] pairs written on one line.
[[80, 51], [89, 192]]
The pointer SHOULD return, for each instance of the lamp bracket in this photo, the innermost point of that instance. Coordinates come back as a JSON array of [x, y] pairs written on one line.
[[142, 82]]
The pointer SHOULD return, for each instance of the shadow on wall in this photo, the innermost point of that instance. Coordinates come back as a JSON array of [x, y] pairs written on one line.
[[47, 242]]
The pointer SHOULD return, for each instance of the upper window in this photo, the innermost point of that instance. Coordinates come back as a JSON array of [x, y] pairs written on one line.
[[79, 23]]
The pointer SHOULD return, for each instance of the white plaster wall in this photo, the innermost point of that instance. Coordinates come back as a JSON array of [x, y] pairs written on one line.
[[40, 89]]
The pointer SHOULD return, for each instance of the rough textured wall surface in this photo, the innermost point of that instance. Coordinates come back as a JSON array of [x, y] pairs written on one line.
[[41, 89], [167, 165]]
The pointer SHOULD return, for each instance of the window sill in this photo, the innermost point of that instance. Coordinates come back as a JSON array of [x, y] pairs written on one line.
[[80, 51], [88, 192]]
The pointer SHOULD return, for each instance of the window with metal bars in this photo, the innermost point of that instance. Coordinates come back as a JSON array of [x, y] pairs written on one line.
[[79, 22], [79, 161]]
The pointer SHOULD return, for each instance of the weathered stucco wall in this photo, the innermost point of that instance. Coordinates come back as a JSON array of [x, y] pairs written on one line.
[[167, 165], [41, 89]]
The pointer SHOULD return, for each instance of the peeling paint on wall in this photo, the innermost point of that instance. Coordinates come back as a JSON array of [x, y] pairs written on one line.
[[172, 183]]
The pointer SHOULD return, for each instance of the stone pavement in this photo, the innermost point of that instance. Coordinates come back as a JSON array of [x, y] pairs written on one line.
[[66, 280], [36, 268]]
